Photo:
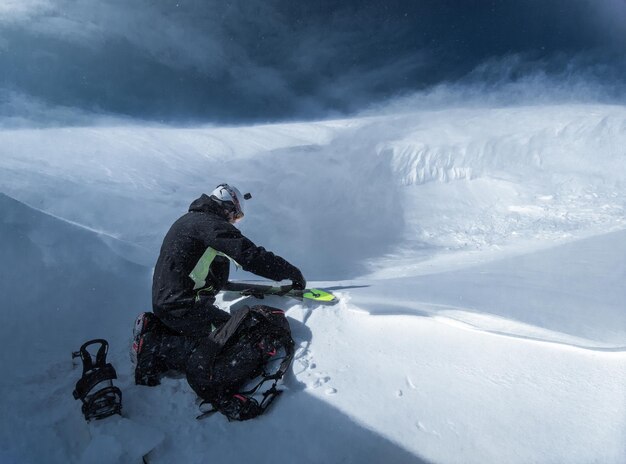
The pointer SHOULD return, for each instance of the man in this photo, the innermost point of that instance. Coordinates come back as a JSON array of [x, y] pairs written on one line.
[[192, 268]]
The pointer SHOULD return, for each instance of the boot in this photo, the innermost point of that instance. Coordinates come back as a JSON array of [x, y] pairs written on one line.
[[145, 351]]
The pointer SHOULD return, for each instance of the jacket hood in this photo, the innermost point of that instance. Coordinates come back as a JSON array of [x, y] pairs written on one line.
[[206, 204]]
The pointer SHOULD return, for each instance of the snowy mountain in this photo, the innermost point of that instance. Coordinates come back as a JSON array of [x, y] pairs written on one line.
[[477, 253]]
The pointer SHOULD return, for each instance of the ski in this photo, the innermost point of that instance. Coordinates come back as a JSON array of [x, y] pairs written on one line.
[[262, 290]]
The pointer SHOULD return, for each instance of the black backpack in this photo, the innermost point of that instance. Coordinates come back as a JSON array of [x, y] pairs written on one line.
[[253, 340]]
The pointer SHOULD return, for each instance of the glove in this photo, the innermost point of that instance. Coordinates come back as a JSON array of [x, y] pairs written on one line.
[[298, 282]]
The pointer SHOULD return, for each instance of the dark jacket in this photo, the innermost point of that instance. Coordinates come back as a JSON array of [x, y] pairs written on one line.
[[201, 232]]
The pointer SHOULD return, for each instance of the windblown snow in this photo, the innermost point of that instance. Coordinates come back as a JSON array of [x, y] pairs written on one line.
[[478, 255]]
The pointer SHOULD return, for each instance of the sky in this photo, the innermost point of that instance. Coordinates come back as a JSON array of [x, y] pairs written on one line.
[[242, 61]]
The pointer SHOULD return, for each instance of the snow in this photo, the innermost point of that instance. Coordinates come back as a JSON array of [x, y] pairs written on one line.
[[477, 254]]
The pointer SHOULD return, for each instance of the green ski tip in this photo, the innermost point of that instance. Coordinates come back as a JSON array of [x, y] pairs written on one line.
[[318, 295]]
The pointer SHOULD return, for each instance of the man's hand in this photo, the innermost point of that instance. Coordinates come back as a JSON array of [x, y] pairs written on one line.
[[298, 282]]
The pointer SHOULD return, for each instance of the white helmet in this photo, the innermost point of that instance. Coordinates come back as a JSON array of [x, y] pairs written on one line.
[[232, 200]]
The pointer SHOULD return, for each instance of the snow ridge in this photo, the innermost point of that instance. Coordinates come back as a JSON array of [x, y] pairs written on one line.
[[478, 256]]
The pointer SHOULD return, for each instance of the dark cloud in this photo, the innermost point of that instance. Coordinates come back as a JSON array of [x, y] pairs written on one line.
[[251, 60]]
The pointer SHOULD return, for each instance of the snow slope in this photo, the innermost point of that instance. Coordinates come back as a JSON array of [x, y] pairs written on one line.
[[455, 180], [478, 254]]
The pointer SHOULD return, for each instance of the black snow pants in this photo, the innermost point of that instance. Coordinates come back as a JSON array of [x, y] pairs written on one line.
[[182, 329]]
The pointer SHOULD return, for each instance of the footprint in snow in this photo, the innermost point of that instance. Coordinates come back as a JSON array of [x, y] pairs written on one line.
[[303, 360], [321, 380], [410, 383], [422, 428]]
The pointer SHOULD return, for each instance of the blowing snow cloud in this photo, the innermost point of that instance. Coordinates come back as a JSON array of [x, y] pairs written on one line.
[[236, 61]]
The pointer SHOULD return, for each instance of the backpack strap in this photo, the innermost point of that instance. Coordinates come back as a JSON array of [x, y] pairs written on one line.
[[240, 407]]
